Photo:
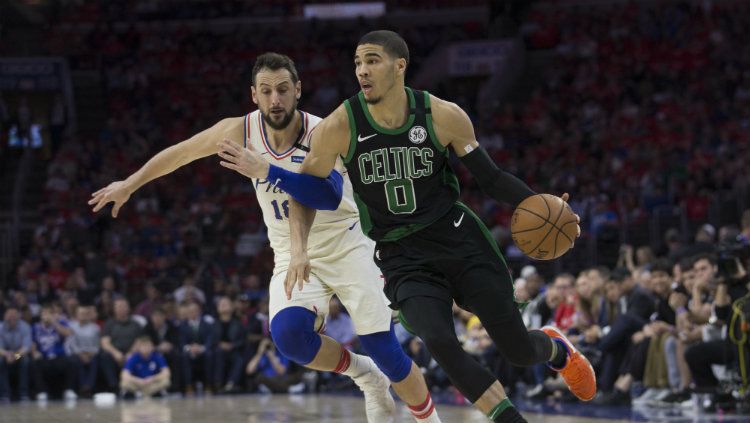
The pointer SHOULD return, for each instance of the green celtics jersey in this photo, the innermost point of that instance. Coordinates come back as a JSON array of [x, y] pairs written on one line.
[[401, 177]]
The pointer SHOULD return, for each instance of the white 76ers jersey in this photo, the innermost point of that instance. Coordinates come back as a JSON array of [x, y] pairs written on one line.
[[325, 236]]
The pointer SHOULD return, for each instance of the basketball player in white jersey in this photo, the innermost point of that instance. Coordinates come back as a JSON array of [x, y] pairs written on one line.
[[340, 256]]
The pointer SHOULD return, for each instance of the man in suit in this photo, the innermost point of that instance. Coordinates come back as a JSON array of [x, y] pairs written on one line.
[[229, 348], [166, 339], [197, 342], [635, 304]]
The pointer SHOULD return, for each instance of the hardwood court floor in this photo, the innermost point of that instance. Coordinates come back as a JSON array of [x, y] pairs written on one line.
[[245, 409], [283, 409]]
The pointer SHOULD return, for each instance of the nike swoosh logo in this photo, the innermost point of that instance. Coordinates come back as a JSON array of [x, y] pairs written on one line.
[[360, 138], [460, 219], [353, 225]]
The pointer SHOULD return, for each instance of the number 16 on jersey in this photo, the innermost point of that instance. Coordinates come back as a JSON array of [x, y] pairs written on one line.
[[284, 208]]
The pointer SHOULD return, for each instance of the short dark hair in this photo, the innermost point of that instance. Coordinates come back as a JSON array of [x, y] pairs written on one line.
[[275, 61], [391, 42], [619, 274], [705, 256], [662, 265]]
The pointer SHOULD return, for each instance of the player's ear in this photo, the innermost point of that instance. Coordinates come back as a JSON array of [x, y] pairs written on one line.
[[401, 65], [298, 90], [253, 94]]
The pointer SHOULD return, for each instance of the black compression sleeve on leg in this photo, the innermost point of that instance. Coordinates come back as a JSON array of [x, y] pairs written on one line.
[[495, 182], [432, 320]]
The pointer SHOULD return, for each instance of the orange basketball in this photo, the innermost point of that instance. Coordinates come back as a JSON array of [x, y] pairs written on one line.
[[543, 227]]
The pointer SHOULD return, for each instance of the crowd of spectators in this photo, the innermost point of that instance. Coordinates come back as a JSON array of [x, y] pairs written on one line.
[[645, 105], [149, 10]]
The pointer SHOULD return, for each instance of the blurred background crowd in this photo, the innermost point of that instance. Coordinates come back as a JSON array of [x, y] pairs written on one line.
[[639, 110]]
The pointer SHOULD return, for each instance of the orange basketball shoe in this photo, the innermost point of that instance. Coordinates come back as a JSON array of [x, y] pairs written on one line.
[[577, 372]]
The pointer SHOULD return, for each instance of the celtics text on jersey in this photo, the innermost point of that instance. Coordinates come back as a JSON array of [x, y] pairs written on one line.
[[401, 177]]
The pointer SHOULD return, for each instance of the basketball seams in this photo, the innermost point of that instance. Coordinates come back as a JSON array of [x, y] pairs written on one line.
[[557, 235], [549, 210], [544, 222], [542, 240], [564, 234], [530, 229], [537, 215], [559, 215], [554, 224]]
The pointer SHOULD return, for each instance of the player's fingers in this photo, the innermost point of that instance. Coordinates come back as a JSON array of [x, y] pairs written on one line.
[[226, 152], [229, 165], [307, 273], [116, 209], [289, 284], [98, 192], [565, 197], [95, 199], [227, 156], [102, 202]]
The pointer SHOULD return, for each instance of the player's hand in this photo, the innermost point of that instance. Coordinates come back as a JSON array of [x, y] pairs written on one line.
[[565, 198], [117, 192], [677, 300], [245, 161], [298, 273]]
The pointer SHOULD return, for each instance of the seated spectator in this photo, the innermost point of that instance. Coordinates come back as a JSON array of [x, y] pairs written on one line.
[[591, 305], [271, 372], [541, 309], [189, 292], [166, 339], [635, 305], [634, 364], [50, 358], [118, 336], [704, 286], [255, 325], [83, 347], [564, 314], [15, 348], [702, 355], [197, 341], [228, 352], [251, 286], [152, 300], [109, 291], [145, 372]]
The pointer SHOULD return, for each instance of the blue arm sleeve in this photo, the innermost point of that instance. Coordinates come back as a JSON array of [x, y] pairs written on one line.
[[311, 191]]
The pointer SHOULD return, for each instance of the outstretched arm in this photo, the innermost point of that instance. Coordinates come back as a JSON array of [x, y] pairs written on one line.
[[167, 161], [329, 140], [318, 193]]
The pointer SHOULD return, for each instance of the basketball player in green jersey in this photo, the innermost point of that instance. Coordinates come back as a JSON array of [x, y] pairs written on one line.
[[431, 248]]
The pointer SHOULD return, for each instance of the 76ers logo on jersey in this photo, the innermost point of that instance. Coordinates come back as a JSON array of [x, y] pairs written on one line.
[[417, 134]]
